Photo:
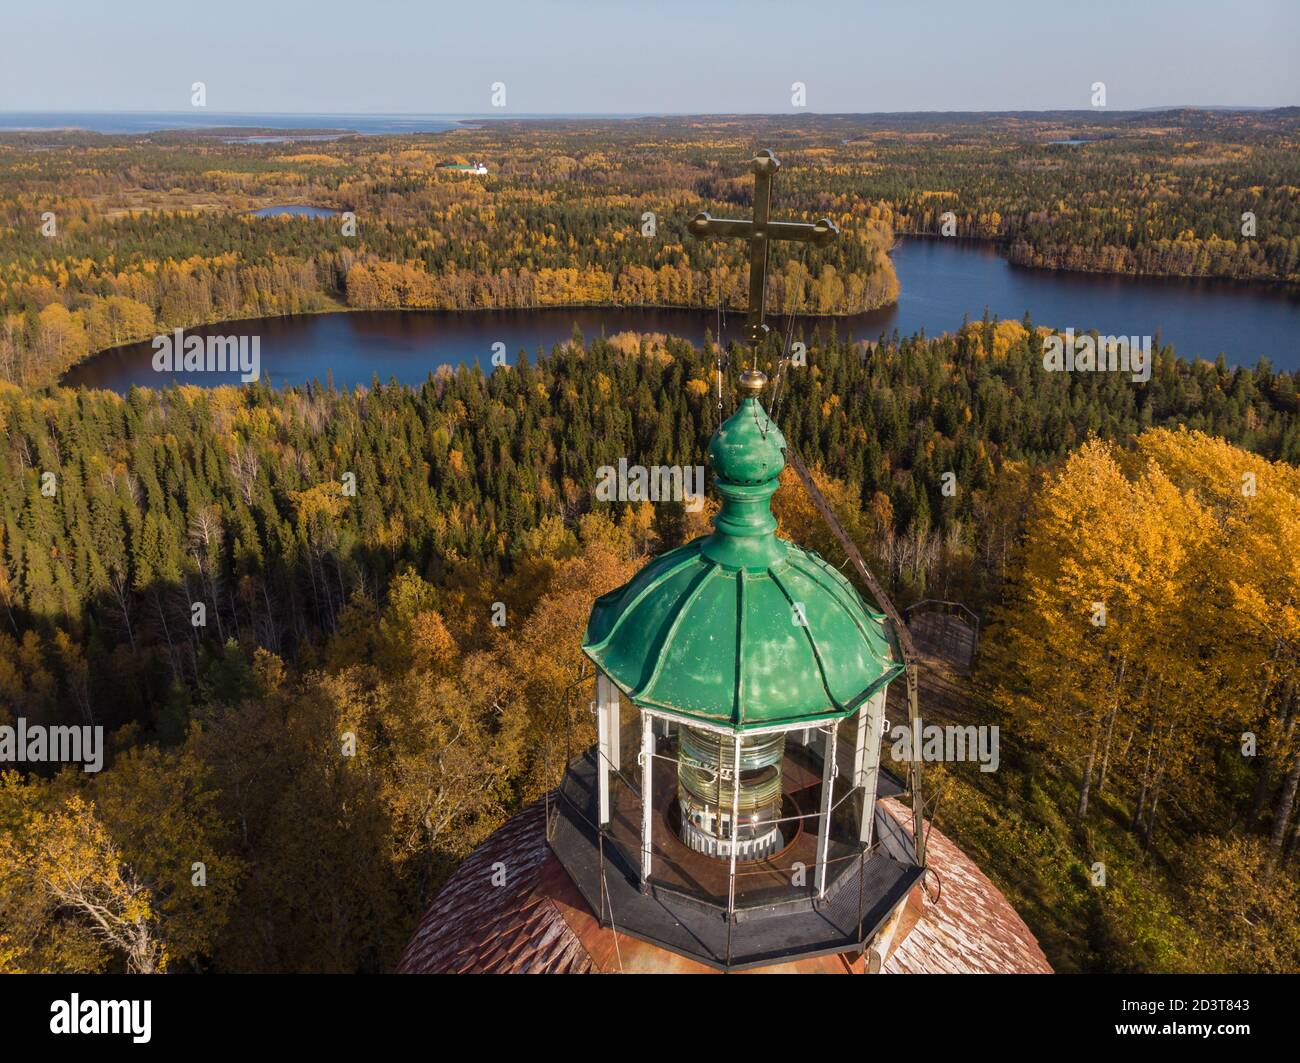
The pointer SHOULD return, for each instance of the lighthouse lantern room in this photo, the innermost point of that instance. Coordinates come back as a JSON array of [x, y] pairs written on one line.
[[729, 809]]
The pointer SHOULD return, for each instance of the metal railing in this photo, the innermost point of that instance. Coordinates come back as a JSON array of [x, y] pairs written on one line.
[[939, 605], [892, 831]]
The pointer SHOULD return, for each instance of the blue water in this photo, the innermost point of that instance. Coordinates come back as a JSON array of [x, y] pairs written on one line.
[[198, 118], [155, 121], [943, 283], [294, 210], [941, 280], [284, 138]]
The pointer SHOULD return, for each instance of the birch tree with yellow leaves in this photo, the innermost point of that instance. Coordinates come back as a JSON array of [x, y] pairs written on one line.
[[1250, 609], [68, 900], [1152, 612]]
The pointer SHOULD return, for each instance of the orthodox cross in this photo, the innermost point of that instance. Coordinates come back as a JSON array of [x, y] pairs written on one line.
[[760, 232]]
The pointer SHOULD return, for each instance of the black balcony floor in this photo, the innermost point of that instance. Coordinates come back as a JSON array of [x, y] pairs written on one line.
[[685, 909]]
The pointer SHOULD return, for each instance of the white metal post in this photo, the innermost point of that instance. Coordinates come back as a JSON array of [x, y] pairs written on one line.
[[647, 774], [870, 739], [860, 742], [828, 793], [612, 726], [735, 828], [602, 743]]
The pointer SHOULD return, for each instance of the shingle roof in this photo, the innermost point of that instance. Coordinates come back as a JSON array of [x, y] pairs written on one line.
[[971, 928], [476, 927], [532, 924]]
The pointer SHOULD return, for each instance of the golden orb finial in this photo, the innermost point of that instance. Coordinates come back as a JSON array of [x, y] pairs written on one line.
[[752, 383]]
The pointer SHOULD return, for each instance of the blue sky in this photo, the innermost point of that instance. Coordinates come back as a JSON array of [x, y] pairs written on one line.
[[557, 56]]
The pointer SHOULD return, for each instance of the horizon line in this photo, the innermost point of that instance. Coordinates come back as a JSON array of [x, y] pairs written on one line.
[[657, 114]]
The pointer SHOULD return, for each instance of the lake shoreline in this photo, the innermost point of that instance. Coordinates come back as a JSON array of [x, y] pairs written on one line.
[[944, 283], [613, 307], [1282, 285], [1282, 289]]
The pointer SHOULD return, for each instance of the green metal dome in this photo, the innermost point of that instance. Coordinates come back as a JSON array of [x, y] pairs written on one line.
[[741, 628]]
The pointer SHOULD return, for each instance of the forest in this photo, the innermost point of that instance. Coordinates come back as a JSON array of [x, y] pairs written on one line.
[[112, 239], [282, 604], [348, 722]]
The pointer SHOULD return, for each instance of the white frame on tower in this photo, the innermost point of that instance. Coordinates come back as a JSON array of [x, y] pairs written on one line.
[[607, 739], [829, 770], [866, 771], [648, 746], [866, 760]]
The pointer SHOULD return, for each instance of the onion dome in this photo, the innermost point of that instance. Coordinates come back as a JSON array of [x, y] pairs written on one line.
[[741, 628]]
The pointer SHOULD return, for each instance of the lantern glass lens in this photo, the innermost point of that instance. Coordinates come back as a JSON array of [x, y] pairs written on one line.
[[707, 794]]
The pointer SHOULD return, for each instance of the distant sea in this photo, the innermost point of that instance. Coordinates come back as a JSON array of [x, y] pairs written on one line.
[[155, 121]]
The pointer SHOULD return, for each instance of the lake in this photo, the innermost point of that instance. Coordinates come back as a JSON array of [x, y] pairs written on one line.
[[942, 281], [294, 210]]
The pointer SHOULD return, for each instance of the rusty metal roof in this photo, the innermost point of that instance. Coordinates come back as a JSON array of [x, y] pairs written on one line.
[[970, 928], [538, 923], [474, 926]]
